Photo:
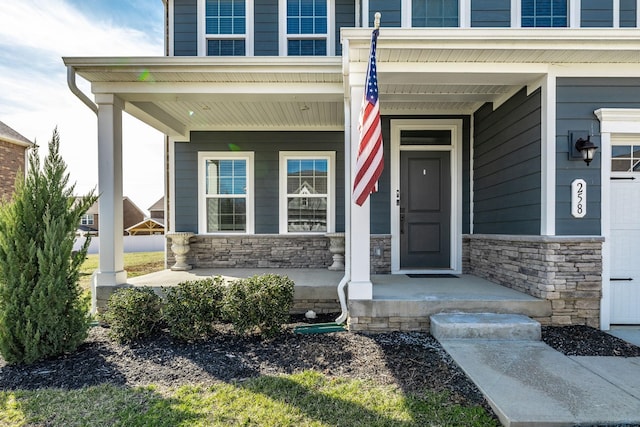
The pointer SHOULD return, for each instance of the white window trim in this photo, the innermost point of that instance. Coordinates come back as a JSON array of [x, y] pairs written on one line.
[[87, 219], [283, 37], [202, 205], [331, 187], [464, 13], [573, 14], [248, 27]]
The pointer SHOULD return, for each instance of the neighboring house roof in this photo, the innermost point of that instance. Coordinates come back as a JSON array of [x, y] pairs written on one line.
[[149, 226], [9, 135], [157, 206]]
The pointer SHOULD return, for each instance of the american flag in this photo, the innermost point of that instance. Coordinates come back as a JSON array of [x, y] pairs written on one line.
[[369, 163]]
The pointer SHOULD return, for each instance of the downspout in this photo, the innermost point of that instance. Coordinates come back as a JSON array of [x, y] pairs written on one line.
[[71, 81], [342, 296]]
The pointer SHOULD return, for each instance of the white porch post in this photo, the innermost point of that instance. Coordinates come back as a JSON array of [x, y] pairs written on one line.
[[111, 260], [360, 286]]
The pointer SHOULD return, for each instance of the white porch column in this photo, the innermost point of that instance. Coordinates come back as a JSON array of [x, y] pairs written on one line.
[[360, 287], [111, 257]]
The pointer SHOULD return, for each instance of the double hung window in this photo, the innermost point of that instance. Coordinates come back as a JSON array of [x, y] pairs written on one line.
[[306, 192], [544, 13], [434, 13], [226, 196], [307, 27], [225, 27]]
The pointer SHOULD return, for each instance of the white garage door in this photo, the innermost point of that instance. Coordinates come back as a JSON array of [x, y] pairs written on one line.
[[625, 234]]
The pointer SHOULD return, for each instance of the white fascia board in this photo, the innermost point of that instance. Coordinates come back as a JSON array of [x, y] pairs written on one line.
[[16, 141], [596, 70]]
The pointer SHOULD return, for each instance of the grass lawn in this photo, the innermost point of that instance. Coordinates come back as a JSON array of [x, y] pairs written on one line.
[[136, 264], [306, 399]]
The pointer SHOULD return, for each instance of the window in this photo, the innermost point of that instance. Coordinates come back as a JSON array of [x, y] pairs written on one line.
[[225, 27], [625, 158], [86, 219], [307, 29], [434, 13], [544, 13], [307, 192], [226, 192]]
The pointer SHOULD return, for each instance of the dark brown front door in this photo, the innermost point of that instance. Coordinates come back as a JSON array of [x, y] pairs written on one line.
[[425, 209]]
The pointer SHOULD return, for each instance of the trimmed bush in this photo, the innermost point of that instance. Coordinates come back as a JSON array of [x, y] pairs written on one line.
[[192, 307], [42, 309], [132, 313], [259, 302]]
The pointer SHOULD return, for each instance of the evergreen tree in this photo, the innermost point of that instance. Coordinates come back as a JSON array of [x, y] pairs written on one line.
[[42, 309]]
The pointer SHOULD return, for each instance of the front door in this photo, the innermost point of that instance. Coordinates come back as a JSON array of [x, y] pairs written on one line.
[[625, 235], [425, 210]]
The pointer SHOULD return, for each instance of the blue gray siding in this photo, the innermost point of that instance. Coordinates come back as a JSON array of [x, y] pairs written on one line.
[[596, 13], [266, 28], [628, 13], [390, 10], [345, 17], [185, 31], [491, 13], [507, 170], [577, 99], [266, 146]]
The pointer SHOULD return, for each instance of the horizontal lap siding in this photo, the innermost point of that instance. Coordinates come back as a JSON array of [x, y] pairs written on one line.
[[390, 10], [266, 28], [266, 146], [507, 167], [491, 13], [185, 31], [345, 17], [627, 13], [596, 13], [577, 99]]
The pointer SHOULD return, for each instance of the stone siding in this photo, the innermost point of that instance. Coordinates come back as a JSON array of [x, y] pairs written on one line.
[[564, 270], [274, 251], [12, 160]]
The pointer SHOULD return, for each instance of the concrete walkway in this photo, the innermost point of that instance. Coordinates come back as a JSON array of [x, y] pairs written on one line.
[[527, 383]]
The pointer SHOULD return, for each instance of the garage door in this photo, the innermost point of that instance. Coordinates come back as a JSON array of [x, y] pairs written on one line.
[[625, 234]]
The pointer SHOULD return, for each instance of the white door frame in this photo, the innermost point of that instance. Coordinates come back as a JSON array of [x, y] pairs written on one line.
[[455, 126], [614, 123]]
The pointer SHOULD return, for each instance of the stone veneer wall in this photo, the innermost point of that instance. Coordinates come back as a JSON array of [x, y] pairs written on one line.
[[567, 270], [273, 251]]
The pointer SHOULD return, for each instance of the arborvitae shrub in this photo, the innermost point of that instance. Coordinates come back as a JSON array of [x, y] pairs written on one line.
[[192, 308], [259, 302], [132, 314], [42, 309]]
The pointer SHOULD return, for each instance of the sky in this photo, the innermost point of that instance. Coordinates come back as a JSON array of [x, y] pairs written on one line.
[[35, 98]]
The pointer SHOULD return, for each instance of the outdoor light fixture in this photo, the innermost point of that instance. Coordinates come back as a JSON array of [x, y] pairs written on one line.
[[581, 147], [586, 148]]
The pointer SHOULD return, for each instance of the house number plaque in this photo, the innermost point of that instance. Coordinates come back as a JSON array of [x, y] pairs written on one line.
[[578, 198]]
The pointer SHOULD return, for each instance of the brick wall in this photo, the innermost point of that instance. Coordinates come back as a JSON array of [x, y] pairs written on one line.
[[565, 270], [12, 160]]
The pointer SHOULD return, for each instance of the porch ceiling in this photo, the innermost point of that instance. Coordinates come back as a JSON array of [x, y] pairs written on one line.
[[420, 71]]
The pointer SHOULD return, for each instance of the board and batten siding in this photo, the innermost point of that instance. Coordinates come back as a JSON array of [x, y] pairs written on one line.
[[491, 13], [576, 100], [596, 13], [507, 168], [185, 28], [266, 146]]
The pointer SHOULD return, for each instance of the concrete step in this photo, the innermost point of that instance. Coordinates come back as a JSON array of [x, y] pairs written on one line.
[[491, 326]]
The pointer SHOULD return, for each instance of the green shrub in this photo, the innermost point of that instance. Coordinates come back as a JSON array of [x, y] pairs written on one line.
[[132, 313], [259, 302], [43, 312], [191, 308]]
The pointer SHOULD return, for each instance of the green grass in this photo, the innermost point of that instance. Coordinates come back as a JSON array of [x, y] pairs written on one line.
[[136, 264], [306, 399]]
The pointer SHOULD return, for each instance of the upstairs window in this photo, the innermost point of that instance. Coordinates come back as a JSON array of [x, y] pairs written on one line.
[[86, 219], [544, 13], [307, 27], [434, 13], [225, 27]]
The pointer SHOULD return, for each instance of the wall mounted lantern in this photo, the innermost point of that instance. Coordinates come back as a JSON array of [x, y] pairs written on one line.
[[583, 148]]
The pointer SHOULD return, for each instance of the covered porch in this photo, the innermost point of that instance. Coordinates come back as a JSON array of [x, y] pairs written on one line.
[[400, 301]]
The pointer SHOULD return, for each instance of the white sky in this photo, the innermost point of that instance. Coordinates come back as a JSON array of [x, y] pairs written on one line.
[[35, 98]]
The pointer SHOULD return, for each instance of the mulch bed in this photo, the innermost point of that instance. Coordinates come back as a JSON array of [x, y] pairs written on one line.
[[415, 362]]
